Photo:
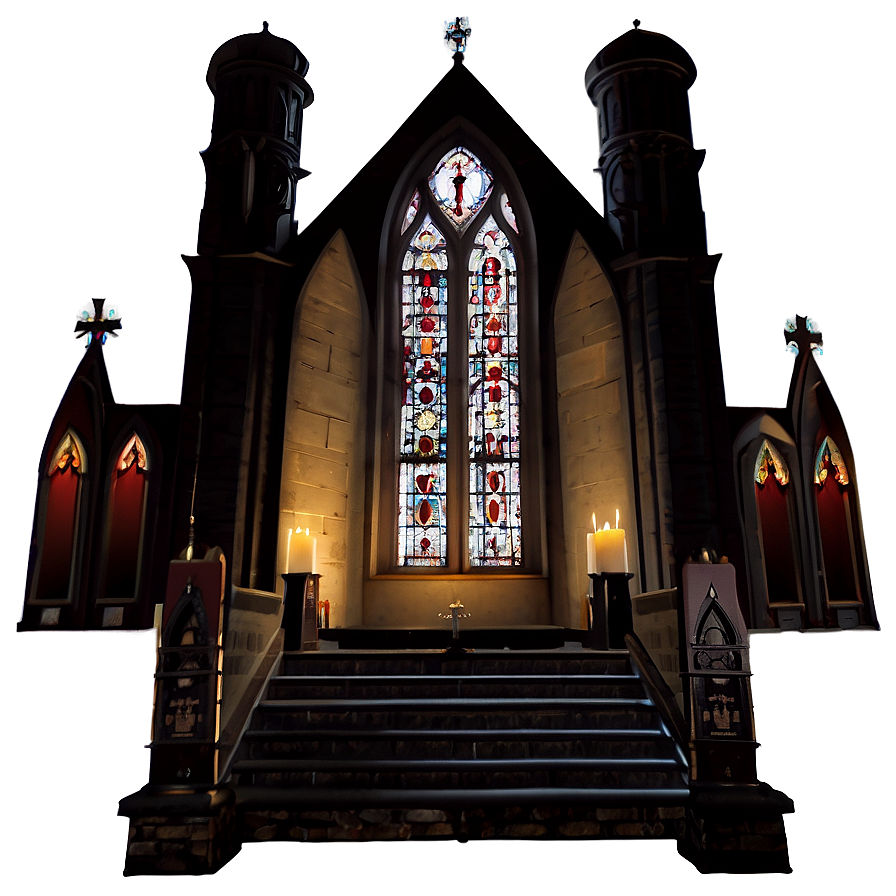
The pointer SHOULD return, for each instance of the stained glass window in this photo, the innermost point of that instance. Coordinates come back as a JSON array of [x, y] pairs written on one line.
[[461, 185], [494, 412], [411, 211], [829, 457], [769, 460], [458, 485], [422, 522], [507, 210]]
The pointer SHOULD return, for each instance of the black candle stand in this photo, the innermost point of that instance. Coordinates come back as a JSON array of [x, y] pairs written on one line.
[[300, 597], [611, 610]]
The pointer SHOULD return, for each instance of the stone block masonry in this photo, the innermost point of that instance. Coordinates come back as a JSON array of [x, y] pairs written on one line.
[[484, 823]]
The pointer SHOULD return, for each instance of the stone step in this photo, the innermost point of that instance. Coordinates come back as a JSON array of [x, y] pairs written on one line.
[[486, 662], [469, 774], [251, 797], [450, 713], [459, 744], [294, 687]]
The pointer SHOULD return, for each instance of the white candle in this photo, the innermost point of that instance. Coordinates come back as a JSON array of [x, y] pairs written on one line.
[[302, 552], [591, 544], [609, 552]]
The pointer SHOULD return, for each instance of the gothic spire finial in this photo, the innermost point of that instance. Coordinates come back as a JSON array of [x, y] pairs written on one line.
[[97, 325], [801, 333], [456, 34], [264, 26], [636, 23]]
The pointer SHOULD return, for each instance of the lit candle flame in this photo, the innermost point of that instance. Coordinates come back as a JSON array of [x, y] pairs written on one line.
[[594, 522], [617, 517], [606, 526]]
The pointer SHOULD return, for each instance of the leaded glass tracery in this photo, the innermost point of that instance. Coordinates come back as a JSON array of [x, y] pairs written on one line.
[[423, 420], [830, 458], [461, 185], [459, 507], [411, 211], [493, 406], [769, 460]]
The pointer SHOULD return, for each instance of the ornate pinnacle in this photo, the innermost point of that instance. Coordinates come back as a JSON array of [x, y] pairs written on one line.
[[456, 34], [98, 325], [802, 333]]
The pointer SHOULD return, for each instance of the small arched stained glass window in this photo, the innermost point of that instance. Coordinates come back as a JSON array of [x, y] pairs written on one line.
[[829, 458], [769, 460]]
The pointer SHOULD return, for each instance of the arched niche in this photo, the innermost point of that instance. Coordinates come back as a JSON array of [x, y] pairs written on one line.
[[323, 479], [63, 510], [831, 480], [128, 474], [767, 471], [772, 489], [595, 447]]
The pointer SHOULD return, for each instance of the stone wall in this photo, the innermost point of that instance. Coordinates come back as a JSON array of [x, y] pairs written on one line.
[[592, 403], [500, 823], [322, 485]]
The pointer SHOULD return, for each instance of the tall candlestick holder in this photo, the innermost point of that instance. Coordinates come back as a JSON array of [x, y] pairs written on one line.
[[611, 610]]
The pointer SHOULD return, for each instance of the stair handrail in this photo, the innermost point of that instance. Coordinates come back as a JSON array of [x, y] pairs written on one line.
[[657, 689]]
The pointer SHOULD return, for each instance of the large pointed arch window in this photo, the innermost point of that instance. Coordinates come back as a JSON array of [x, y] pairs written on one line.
[[459, 483]]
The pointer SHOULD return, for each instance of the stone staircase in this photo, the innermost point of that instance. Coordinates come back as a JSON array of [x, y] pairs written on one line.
[[373, 745]]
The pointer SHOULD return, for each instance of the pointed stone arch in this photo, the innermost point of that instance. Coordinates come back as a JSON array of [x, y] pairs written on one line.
[[130, 492], [767, 473], [397, 594], [840, 587], [595, 443], [835, 531], [325, 433], [62, 514]]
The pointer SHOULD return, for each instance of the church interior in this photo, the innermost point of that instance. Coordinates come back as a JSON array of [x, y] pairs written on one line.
[[456, 286]]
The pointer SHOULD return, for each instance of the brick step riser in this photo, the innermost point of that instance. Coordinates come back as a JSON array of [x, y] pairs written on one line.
[[349, 690], [336, 668], [466, 780], [651, 748], [363, 721]]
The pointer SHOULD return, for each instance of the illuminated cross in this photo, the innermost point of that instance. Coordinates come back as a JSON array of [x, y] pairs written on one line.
[[98, 326], [801, 333], [456, 34]]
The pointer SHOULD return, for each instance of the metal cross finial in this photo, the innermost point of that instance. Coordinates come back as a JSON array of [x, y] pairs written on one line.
[[802, 333], [456, 34], [98, 325]]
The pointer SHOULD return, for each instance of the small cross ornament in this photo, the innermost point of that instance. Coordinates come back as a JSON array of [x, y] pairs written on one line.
[[802, 333], [99, 325], [456, 34]]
